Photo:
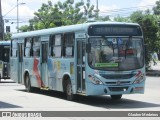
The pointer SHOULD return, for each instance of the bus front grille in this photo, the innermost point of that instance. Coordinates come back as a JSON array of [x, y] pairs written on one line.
[[117, 76], [118, 83]]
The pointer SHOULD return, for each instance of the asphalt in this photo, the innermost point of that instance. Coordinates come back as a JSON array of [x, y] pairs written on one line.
[[154, 70]]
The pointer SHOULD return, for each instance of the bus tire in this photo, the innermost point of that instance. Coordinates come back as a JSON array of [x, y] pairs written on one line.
[[69, 93], [28, 86], [116, 97]]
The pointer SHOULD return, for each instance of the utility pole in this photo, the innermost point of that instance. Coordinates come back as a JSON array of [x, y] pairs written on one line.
[[97, 11], [1, 23], [17, 17]]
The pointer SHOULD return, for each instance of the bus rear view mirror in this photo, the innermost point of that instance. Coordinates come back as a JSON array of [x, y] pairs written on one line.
[[88, 47]]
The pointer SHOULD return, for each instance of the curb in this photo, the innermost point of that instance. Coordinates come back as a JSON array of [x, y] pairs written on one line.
[[153, 73]]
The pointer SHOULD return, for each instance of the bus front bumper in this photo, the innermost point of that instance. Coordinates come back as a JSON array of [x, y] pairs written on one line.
[[93, 89]]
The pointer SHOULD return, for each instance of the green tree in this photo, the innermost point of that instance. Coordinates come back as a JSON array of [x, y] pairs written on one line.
[[24, 28], [7, 36], [121, 19], [43, 18], [88, 10], [105, 18], [156, 9], [60, 14], [137, 17], [70, 12]]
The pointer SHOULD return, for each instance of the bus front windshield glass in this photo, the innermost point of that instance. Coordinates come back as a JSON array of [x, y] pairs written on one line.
[[116, 53]]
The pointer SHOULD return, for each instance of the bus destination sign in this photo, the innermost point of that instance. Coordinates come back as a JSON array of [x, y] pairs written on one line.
[[114, 30]]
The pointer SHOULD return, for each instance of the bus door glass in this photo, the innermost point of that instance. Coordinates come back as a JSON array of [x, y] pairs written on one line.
[[44, 59], [6, 53], [81, 66], [20, 61], [5, 56]]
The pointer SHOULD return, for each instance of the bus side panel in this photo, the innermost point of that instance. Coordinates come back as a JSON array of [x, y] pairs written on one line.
[[14, 69], [52, 74], [57, 69]]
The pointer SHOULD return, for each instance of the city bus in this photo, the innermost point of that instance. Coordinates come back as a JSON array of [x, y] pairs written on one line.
[[4, 59], [96, 58]]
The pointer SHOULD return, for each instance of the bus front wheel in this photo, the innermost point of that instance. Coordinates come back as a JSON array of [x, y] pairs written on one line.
[[69, 93], [116, 97]]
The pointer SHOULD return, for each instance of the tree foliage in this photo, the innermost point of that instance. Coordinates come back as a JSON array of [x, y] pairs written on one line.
[[7, 36], [59, 14], [156, 9], [44, 17], [71, 13], [88, 10], [121, 19]]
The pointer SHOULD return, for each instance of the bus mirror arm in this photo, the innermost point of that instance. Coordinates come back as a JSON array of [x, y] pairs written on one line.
[[88, 47]]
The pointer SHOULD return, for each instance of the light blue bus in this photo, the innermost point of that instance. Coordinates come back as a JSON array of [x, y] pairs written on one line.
[[97, 58], [4, 59]]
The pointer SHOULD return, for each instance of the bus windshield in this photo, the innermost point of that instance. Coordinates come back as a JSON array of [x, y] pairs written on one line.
[[116, 53]]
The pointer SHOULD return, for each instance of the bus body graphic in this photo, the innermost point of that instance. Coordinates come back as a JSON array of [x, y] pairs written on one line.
[[37, 73], [98, 58]]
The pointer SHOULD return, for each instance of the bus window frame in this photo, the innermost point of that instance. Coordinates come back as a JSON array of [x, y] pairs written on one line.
[[53, 45], [31, 47], [68, 43], [37, 40]]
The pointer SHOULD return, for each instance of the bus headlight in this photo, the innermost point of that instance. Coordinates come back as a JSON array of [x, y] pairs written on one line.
[[95, 80], [139, 79]]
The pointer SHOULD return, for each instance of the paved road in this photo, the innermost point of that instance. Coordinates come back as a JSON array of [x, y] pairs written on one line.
[[13, 97]]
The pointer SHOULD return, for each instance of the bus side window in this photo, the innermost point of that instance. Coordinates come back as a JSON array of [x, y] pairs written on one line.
[[55, 45], [68, 48], [27, 47], [36, 46]]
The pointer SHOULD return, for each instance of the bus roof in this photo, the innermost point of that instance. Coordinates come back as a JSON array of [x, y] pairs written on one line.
[[63, 29], [5, 42]]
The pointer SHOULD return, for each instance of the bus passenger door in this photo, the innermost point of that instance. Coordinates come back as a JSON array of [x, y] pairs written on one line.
[[20, 61], [44, 70], [81, 66]]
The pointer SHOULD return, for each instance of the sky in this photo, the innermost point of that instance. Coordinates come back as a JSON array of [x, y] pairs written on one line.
[[107, 7]]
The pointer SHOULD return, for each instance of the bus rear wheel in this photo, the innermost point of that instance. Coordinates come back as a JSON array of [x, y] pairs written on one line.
[[116, 97], [69, 93], [28, 84]]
